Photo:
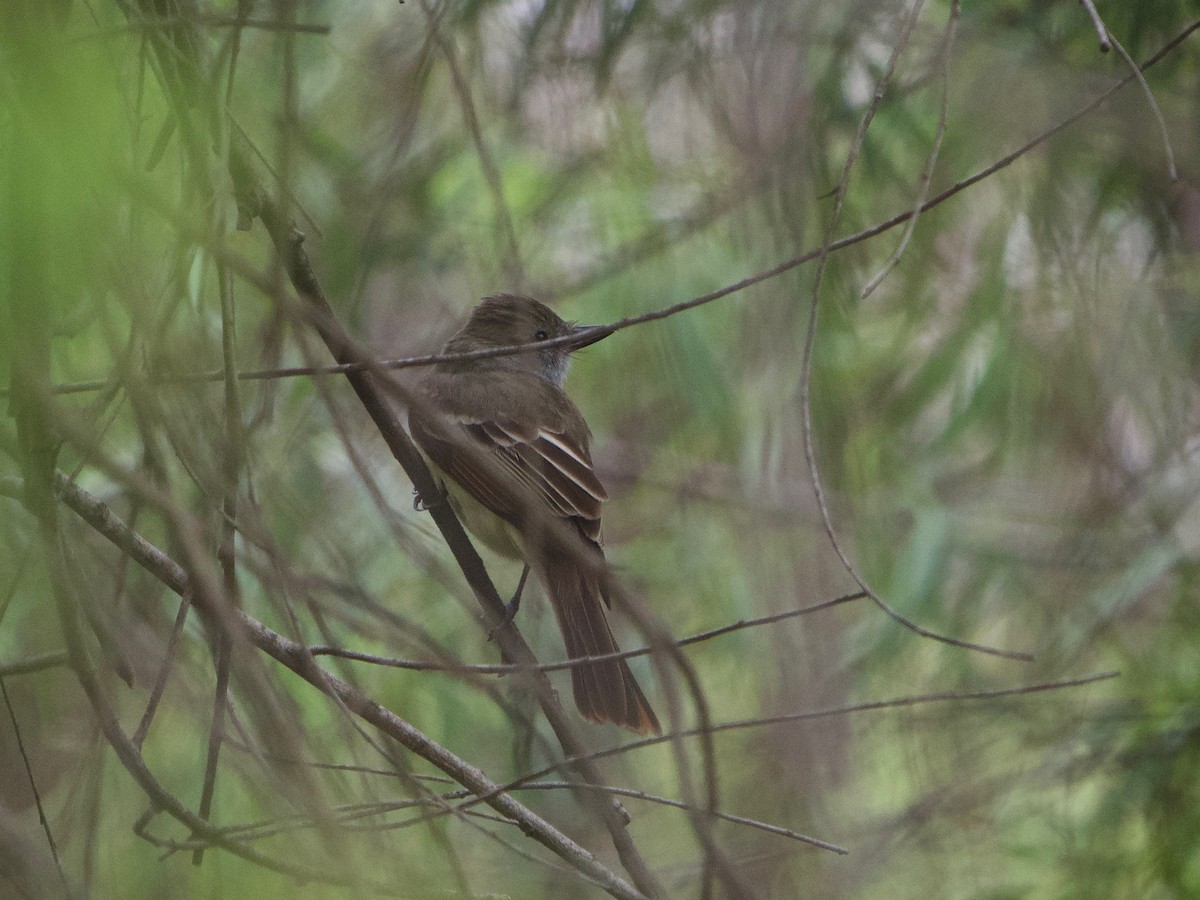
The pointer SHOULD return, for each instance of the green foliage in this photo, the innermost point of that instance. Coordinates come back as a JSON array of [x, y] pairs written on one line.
[[1005, 429]]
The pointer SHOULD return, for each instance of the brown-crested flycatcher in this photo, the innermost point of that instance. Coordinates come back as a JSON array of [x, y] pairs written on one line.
[[514, 453]]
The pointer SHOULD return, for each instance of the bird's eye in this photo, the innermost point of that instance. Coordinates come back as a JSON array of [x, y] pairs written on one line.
[[540, 336]]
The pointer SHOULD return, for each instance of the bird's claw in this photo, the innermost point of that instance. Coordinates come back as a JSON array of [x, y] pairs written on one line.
[[510, 613], [420, 504]]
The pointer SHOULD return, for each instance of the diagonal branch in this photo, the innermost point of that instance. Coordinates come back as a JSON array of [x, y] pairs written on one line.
[[294, 656], [288, 243], [185, 80]]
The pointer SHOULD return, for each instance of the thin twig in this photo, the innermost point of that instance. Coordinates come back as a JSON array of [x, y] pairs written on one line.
[[140, 26], [811, 715], [506, 668], [728, 817], [869, 706], [810, 452], [926, 179], [1172, 172], [1101, 31], [164, 671], [43, 503], [35, 664], [1107, 42], [353, 812], [226, 553], [37, 797], [510, 251], [222, 652]]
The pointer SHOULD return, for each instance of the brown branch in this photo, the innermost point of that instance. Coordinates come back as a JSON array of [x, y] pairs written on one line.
[[926, 179], [1107, 42], [506, 669], [294, 656], [35, 664], [37, 796], [869, 706]]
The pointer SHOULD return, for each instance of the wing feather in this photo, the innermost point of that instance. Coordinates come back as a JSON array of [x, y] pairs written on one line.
[[552, 470]]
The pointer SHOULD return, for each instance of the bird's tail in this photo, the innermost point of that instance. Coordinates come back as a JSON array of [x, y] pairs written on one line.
[[604, 691]]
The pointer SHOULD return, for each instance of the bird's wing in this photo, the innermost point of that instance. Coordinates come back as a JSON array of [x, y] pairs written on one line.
[[518, 473]]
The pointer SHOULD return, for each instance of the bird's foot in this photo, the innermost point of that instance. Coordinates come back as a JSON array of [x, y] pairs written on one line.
[[510, 608], [421, 504]]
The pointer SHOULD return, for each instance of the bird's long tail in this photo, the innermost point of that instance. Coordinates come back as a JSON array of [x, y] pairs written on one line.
[[604, 691]]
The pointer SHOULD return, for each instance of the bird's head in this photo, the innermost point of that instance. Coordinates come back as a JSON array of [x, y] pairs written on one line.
[[506, 320]]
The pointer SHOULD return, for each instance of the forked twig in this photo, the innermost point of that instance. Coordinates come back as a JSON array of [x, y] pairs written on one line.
[[810, 454], [926, 179], [1107, 42]]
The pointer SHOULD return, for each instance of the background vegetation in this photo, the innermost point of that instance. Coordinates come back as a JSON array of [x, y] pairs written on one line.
[[1005, 430]]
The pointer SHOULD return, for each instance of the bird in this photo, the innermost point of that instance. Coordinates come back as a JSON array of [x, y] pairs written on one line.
[[512, 452]]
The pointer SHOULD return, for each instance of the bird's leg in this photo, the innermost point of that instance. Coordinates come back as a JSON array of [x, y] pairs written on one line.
[[510, 609], [420, 504]]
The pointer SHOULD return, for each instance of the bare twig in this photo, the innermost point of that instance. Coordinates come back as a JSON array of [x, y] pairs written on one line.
[[810, 453], [34, 664], [851, 709], [164, 671], [1107, 42], [142, 25], [216, 733], [37, 796], [1101, 31], [226, 553], [34, 413], [888, 224], [676, 804], [870, 706], [926, 179], [506, 234], [353, 812], [505, 669]]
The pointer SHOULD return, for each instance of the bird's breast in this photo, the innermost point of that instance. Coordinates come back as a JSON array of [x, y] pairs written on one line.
[[497, 534]]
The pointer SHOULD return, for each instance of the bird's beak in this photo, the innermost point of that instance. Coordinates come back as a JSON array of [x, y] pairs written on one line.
[[586, 335]]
